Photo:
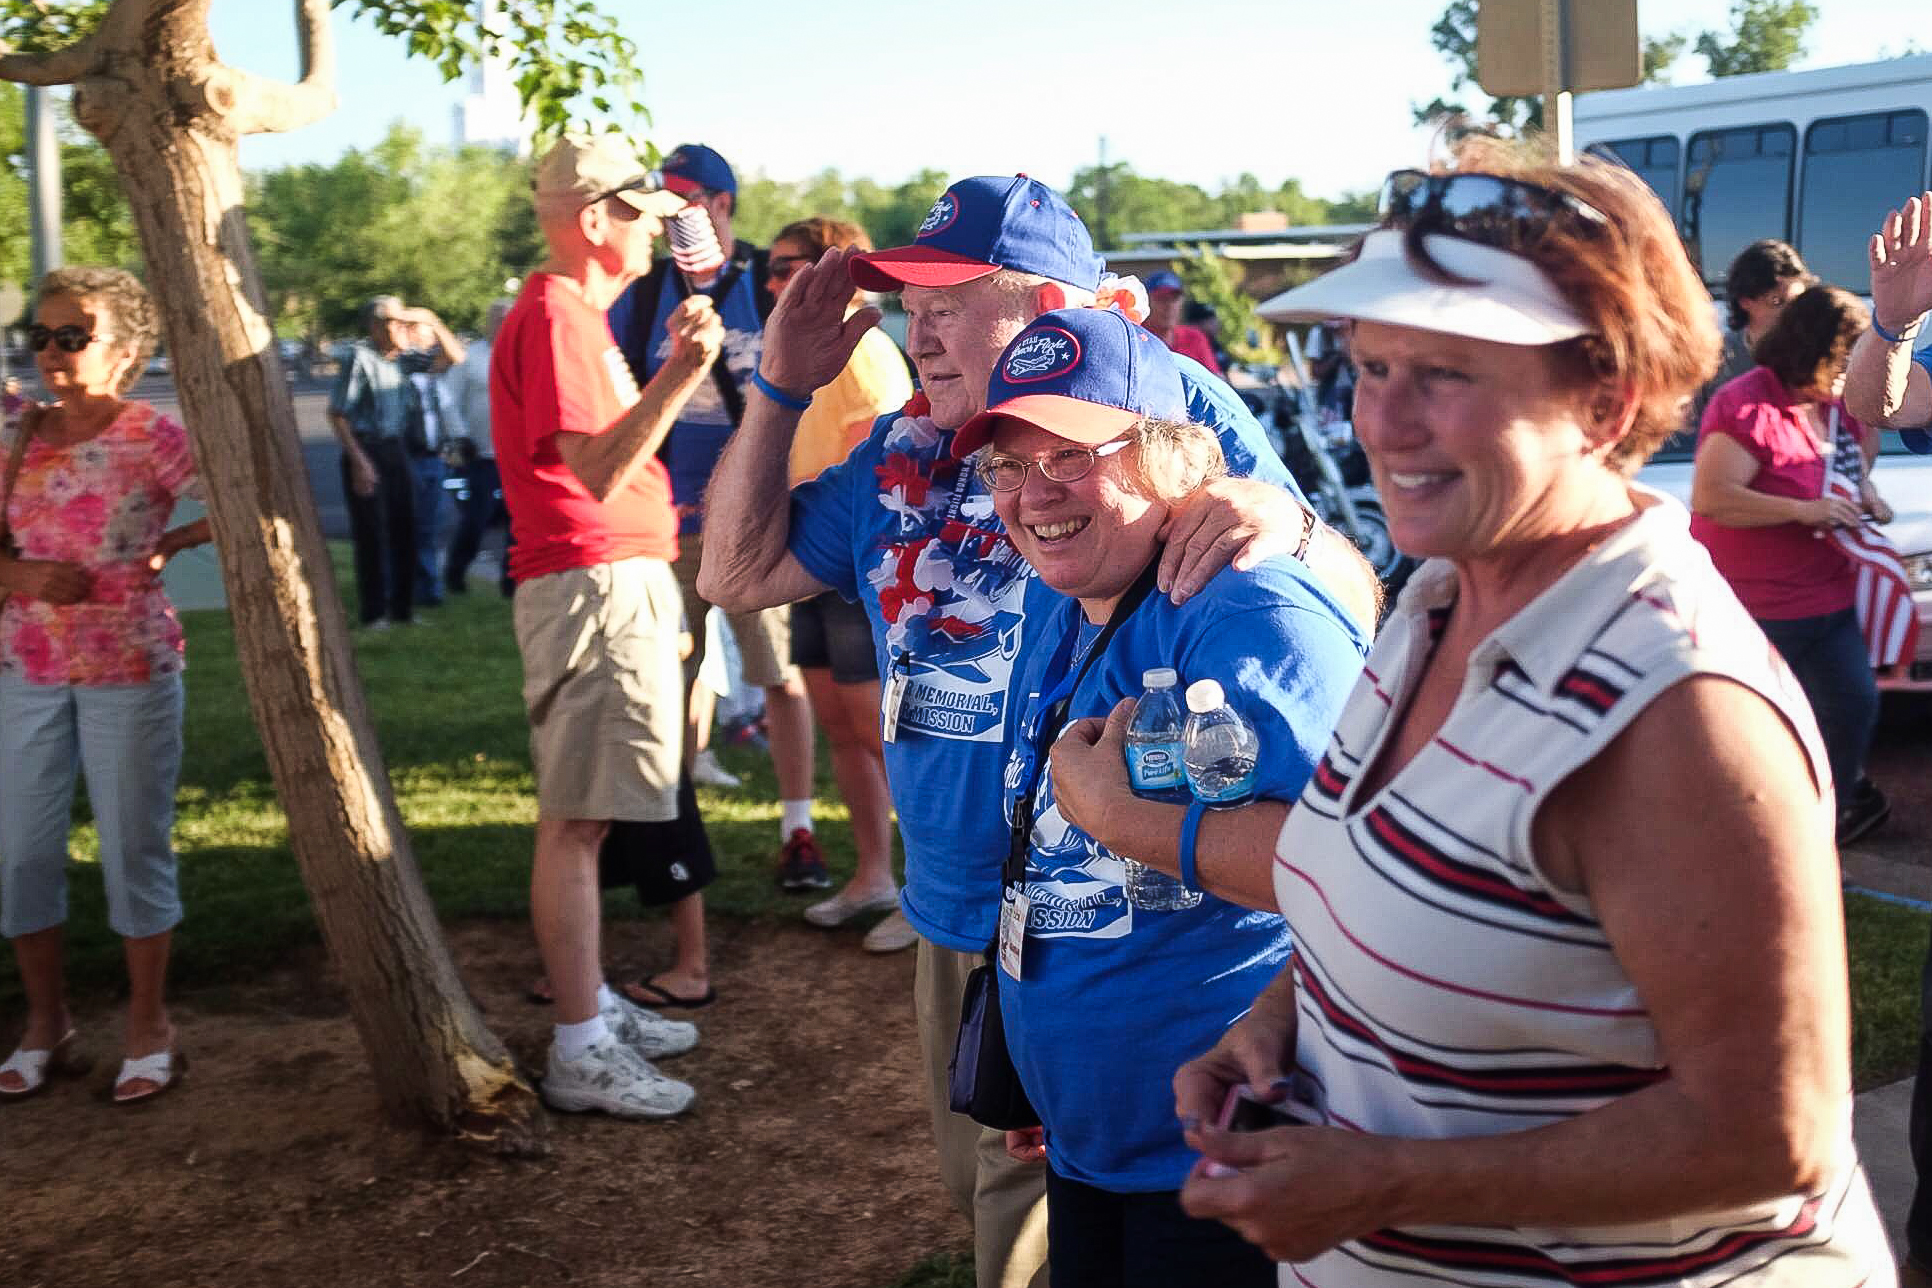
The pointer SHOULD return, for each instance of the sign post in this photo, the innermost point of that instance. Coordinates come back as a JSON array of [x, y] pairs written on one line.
[[1555, 48]]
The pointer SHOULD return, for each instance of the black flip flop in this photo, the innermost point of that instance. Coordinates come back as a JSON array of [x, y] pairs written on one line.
[[649, 993]]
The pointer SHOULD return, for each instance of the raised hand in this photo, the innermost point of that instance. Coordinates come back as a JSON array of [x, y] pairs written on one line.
[[1901, 255], [808, 338]]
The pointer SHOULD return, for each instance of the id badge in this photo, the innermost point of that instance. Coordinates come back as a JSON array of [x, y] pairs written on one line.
[[1013, 914], [894, 697]]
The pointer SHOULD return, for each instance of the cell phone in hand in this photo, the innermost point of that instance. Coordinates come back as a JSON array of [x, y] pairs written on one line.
[[1242, 1111]]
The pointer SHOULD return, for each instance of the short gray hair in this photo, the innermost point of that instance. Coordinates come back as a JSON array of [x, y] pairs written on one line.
[[1174, 459]]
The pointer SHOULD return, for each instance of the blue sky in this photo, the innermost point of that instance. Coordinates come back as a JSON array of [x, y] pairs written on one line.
[[1198, 90]]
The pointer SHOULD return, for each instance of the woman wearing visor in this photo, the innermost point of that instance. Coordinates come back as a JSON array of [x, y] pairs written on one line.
[[1568, 996]]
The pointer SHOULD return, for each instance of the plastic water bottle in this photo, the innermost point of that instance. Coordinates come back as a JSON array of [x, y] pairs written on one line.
[[1154, 769], [1221, 748]]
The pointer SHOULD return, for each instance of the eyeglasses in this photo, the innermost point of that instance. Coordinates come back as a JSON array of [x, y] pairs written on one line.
[[781, 267], [71, 339], [1507, 214], [1067, 465]]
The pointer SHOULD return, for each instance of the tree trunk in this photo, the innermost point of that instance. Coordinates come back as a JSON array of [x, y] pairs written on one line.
[[432, 1057]]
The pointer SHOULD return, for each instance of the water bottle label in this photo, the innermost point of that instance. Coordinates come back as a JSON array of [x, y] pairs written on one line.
[[1155, 766]]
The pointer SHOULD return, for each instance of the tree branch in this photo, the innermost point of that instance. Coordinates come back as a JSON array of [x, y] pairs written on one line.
[[260, 105], [60, 67]]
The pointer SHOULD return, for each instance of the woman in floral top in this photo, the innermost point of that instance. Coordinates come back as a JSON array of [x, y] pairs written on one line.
[[90, 665]]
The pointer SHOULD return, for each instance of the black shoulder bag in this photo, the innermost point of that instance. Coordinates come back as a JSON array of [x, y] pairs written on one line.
[[982, 1082]]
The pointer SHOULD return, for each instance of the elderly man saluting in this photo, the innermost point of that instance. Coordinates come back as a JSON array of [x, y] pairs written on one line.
[[597, 609], [908, 529]]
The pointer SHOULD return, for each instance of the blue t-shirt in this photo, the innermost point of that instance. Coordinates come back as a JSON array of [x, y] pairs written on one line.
[[698, 436], [911, 534], [1919, 440], [1112, 998]]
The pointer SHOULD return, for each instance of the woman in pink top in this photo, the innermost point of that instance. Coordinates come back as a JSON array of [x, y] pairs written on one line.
[[1761, 507], [90, 665]]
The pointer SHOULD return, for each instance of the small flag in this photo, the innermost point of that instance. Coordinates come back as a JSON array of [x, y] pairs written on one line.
[[1882, 593], [694, 243]]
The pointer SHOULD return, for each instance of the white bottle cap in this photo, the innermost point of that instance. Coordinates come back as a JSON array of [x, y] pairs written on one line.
[[1159, 677], [1204, 696]]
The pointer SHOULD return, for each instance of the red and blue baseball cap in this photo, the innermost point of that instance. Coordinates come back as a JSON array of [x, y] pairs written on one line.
[[1164, 280], [981, 225], [692, 166], [1088, 375]]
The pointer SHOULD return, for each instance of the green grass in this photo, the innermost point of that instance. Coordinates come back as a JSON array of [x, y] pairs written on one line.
[[1887, 945], [449, 718], [943, 1270]]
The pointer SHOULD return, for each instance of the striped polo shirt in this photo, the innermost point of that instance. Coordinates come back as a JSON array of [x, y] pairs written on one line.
[[1445, 989]]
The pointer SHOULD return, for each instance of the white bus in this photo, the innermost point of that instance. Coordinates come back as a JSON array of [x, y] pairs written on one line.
[[1814, 158]]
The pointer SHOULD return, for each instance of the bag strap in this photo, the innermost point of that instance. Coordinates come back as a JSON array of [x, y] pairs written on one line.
[[16, 459], [1013, 871]]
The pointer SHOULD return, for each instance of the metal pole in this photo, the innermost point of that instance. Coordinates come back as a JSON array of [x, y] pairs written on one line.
[[43, 194], [1100, 200], [1558, 122]]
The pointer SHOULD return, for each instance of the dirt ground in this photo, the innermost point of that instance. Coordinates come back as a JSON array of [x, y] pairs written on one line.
[[806, 1161]]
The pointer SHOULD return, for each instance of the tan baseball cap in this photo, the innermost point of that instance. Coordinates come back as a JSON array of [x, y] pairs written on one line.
[[582, 168]]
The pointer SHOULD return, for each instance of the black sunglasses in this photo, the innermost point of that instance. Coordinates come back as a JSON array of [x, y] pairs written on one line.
[[1508, 214], [71, 339]]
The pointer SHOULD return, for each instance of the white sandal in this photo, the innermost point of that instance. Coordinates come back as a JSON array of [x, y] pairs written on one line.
[[160, 1069], [34, 1067]]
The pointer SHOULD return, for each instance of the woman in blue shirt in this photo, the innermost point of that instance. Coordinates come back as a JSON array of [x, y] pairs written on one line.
[[1090, 451]]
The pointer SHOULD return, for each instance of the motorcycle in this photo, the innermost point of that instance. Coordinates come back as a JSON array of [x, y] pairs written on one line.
[[1322, 454]]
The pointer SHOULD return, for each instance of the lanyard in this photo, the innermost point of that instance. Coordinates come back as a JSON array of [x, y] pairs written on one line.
[[1053, 716]]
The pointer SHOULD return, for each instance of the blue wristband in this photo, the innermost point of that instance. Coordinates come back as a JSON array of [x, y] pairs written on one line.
[[1190, 829], [778, 395], [1889, 338]]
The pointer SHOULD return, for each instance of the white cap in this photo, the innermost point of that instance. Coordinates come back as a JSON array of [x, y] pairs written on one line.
[[1159, 677], [1510, 300], [1204, 696]]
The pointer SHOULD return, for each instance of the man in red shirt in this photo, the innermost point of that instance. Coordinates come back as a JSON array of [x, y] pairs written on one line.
[[597, 610], [1165, 296]]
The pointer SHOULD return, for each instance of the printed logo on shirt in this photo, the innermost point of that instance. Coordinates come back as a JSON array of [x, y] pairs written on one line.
[[1042, 355], [1078, 889], [944, 211], [740, 356], [622, 383]]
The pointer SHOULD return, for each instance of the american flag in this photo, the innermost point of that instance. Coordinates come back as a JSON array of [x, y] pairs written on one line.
[[1883, 593], [694, 243]]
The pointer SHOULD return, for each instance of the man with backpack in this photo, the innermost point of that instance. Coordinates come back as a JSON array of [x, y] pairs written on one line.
[[736, 276]]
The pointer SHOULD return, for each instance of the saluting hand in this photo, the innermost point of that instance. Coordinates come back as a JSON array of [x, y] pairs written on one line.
[[808, 338]]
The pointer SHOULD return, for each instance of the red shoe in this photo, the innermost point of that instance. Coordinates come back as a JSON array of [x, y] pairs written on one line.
[[800, 865]]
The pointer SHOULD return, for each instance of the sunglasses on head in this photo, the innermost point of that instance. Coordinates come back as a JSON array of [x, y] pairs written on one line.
[[1508, 214], [649, 181], [71, 339]]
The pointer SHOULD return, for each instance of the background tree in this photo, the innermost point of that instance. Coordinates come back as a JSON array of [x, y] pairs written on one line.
[[148, 85], [1215, 281], [330, 236], [96, 226], [1765, 36]]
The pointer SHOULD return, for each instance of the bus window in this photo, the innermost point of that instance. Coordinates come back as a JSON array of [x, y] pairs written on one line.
[[1653, 159], [1737, 189], [1856, 169]]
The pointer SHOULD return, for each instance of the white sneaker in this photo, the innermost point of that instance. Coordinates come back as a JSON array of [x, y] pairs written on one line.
[[645, 1031], [892, 935], [706, 769], [615, 1079], [848, 903]]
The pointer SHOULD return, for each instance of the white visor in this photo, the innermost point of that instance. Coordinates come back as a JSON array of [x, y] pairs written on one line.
[[1512, 301]]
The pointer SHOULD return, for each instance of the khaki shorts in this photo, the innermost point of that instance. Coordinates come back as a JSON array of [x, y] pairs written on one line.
[[764, 637], [602, 690]]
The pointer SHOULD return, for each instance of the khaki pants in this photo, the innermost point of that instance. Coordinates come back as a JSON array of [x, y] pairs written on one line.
[[1005, 1199]]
